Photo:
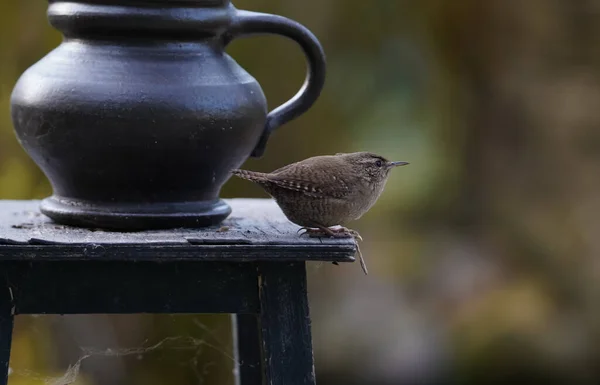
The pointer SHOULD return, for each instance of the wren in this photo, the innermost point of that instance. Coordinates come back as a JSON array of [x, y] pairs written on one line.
[[326, 191]]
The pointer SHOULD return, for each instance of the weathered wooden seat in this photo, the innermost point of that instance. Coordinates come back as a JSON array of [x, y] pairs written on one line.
[[252, 266]]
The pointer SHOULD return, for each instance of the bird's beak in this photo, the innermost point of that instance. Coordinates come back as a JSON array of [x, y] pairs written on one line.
[[395, 164]]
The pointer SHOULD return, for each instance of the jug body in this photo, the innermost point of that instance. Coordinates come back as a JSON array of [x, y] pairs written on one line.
[[138, 116]]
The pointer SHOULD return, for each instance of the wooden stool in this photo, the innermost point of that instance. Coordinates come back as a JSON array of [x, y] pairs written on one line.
[[252, 266]]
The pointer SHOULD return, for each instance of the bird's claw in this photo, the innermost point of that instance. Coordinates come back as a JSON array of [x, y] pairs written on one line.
[[346, 233], [308, 231], [354, 234], [341, 232], [312, 233], [332, 233]]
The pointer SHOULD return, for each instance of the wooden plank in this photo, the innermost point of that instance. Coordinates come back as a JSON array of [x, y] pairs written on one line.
[[256, 230], [88, 287], [285, 324], [246, 347], [165, 253]]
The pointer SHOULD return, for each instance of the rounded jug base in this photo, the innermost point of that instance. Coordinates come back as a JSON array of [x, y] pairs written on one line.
[[134, 217]]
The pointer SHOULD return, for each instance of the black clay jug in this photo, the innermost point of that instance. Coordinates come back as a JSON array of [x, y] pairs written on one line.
[[138, 116]]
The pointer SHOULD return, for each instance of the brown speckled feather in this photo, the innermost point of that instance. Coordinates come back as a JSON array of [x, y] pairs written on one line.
[[316, 178], [325, 190]]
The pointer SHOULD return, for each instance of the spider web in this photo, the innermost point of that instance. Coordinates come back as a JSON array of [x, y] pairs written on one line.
[[196, 347]]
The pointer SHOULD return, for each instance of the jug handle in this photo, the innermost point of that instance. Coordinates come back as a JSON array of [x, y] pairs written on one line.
[[253, 23]]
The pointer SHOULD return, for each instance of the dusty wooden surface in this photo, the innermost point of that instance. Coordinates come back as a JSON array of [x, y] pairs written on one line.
[[256, 230]]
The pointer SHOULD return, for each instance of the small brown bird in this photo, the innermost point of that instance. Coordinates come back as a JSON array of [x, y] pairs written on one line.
[[325, 191]]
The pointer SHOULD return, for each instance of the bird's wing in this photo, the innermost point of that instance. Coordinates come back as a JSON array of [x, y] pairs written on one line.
[[314, 178]]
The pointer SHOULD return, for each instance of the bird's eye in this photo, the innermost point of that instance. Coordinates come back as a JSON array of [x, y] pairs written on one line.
[[378, 163]]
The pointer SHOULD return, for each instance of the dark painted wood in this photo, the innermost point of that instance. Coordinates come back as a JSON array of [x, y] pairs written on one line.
[[246, 345], [77, 287], [166, 253], [6, 328], [256, 230], [285, 324], [254, 266]]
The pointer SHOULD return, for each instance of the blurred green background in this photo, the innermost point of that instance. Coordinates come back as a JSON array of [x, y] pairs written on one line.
[[484, 253]]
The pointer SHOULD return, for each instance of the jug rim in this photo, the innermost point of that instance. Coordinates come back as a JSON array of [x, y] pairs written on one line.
[[140, 18], [166, 3]]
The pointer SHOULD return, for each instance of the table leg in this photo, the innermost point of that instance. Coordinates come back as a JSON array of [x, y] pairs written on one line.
[[6, 328], [246, 347], [285, 324]]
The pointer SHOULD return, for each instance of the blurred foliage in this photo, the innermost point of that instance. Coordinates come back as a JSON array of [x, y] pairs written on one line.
[[483, 253]]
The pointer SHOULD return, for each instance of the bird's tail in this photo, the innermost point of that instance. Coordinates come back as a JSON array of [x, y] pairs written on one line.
[[253, 176]]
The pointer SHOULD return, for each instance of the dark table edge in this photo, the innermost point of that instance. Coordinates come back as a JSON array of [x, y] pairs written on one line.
[[175, 252]]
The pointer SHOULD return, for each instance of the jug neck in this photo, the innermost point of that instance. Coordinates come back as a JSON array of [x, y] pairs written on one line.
[[144, 19]]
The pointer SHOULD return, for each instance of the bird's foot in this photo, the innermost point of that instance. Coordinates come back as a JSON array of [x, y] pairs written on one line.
[[312, 233], [347, 233], [320, 232], [341, 232], [344, 232]]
